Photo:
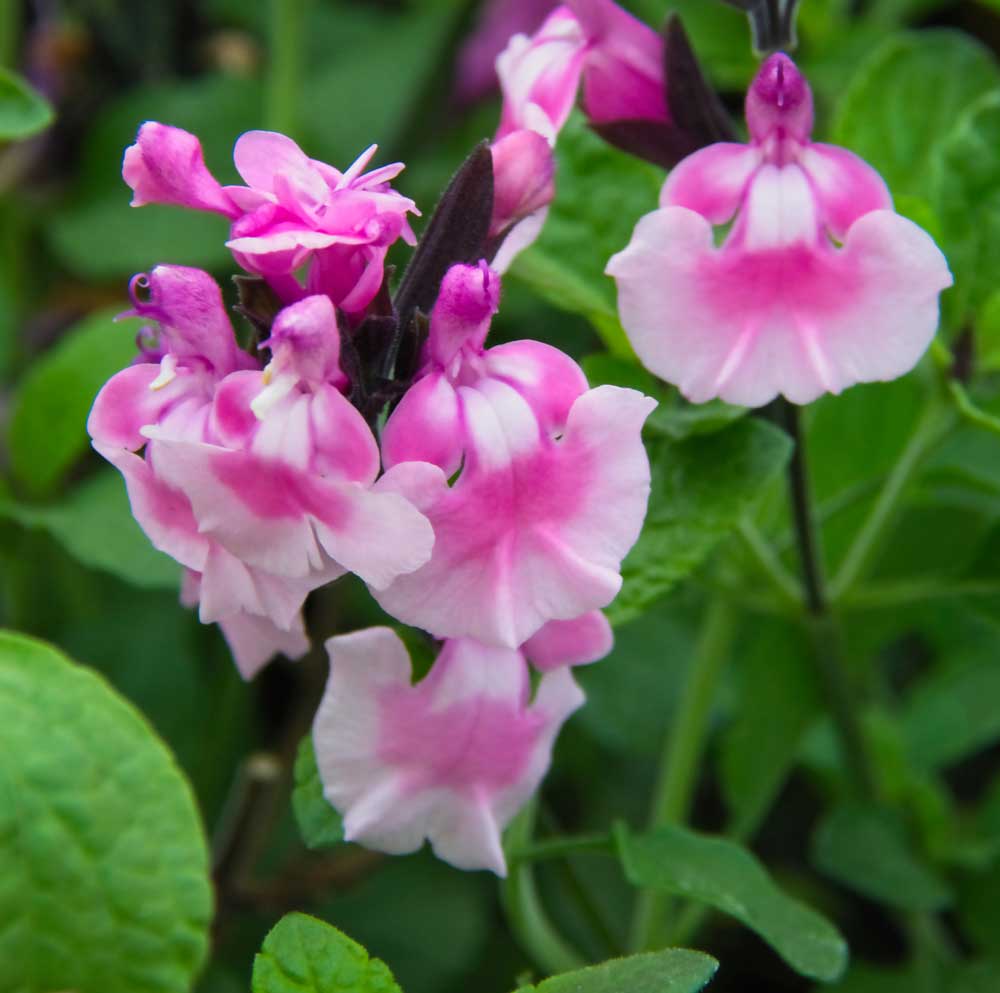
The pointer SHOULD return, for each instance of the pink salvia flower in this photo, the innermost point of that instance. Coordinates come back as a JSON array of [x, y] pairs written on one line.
[[285, 481], [553, 485], [818, 285], [450, 760], [193, 348], [293, 211]]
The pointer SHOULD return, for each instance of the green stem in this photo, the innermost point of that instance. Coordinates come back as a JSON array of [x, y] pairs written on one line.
[[769, 563], [560, 847], [525, 914], [823, 627], [894, 593], [683, 750], [931, 428], [968, 409], [282, 97]]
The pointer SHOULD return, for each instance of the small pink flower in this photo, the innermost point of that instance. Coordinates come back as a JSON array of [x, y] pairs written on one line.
[[450, 760], [294, 210], [553, 484], [818, 285]]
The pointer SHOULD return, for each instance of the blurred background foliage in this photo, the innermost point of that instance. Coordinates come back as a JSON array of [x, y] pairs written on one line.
[[910, 84]]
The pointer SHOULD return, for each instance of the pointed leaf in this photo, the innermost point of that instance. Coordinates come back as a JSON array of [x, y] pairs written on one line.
[[674, 970], [23, 110], [726, 876], [304, 955], [319, 823]]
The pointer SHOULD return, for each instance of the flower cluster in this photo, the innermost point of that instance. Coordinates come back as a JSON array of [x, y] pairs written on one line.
[[495, 505], [509, 496]]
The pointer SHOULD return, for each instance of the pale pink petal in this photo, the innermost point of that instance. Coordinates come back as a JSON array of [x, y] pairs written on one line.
[[254, 641], [426, 426], [541, 73], [166, 165], [163, 513], [523, 178], [845, 185], [275, 517], [713, 181], [521, 236], [561, 517], [450, 759], [584, 639], [807, 319], [547, 378]]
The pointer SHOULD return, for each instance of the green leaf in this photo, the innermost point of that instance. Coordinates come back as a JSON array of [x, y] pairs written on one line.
[[674, 970], [48, 424], [585, 227], [953, 713], [95, 525], [941, 73], [23, 110], [103, 863], [304, 955], [726, 876], [319, 824], [866, 849], [701, 488], [967, 199]]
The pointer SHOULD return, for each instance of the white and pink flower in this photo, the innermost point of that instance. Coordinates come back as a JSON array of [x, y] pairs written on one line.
[[553, 484], [451, 759], [818, 284]]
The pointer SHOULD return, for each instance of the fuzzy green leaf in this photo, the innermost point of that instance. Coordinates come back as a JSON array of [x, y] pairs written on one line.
[[319, 824], [304, 955], [23, 110], [103, 866]]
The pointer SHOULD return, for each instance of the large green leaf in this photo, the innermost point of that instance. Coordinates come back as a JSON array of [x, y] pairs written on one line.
[[95, 525], [304, 955], [103, 866], [48, 424], [674, 970], [23, 110], [867, 849], [586, 226], [319, 824], [967, 201], [701, 488], [728, 877], [906, 97]]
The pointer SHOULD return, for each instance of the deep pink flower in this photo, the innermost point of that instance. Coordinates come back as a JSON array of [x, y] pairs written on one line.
[[294, 210], [553, 484], [450, 760], [818, 285]]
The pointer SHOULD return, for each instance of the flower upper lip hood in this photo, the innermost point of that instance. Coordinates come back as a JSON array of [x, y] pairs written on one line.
[[818, 284]]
